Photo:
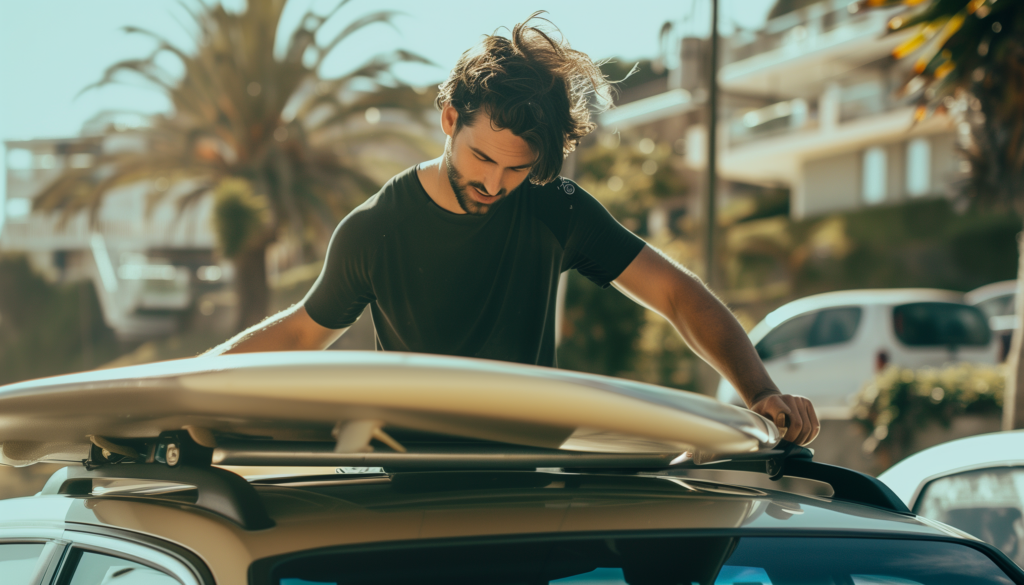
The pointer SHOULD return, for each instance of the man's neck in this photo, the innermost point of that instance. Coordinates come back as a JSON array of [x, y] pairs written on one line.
[[433, 176]]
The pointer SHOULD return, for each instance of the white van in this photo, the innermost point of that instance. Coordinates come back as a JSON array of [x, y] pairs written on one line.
[[827, 346]]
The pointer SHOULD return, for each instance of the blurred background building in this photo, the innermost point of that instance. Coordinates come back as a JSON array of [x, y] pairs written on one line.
[[146, 263]]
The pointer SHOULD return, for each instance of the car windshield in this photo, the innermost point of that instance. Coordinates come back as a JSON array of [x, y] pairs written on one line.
[[948, 324], [707, 560]]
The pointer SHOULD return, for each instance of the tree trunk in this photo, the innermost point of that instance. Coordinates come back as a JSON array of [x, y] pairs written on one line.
[[251, 286], [1013, 396]]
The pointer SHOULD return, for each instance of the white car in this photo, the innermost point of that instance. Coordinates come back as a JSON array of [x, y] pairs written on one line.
[[827, 346], [975, 484], [998, 302]]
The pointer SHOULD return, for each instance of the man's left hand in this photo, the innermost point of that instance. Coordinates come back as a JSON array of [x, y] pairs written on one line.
[[794, 415]]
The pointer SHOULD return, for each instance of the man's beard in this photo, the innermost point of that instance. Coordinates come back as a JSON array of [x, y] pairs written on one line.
[[467, 203]]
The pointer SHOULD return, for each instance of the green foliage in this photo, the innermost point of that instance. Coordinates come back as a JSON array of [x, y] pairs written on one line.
[[599, 330], [244, 108], [970, 64], [47, 329], [899, 401], [614, 171], [917, 244], [239, 216]]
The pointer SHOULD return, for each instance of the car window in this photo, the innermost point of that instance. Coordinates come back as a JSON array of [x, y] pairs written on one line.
[[987, 503], [90, 568], [18, 562], [835, 326], [638, 560], [949, 324], [791, 335]]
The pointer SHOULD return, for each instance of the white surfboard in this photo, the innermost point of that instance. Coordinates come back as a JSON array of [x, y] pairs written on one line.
[[304, 396]]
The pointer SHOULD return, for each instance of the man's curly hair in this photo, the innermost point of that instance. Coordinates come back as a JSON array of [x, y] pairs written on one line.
[[532, 84]]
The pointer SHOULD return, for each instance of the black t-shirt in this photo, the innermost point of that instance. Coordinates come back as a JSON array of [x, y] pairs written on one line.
[[466, 285]]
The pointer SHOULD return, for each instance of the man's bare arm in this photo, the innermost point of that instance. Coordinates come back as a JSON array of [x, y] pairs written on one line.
[[291, 329], [714, 334]]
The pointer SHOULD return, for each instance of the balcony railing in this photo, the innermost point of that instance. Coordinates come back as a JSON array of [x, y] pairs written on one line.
[[849, 103], [795, 28], [772, 120]]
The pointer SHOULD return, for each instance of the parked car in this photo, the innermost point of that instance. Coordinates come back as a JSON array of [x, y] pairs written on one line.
[[975, 484], [827, 346], [998, 301], [493, 473]]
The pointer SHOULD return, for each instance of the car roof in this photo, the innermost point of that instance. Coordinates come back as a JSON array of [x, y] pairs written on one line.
[[846, 298], [420, 505], [995, 289], [908, 477]]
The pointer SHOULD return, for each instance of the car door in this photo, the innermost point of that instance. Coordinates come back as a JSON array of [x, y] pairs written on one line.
[[814, 355], [94, 559]]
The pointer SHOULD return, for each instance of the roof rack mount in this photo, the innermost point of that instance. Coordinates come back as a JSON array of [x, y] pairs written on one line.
[[220, 491], [791, 460]]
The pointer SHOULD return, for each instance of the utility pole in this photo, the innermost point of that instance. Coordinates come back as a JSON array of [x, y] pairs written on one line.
[[711, 229]]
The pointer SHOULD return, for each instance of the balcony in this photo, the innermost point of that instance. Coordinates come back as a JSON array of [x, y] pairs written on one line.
[[773, 120], [800, 51], [860, 97]]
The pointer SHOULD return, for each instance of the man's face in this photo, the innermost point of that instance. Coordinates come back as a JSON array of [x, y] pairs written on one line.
[[484, 165]]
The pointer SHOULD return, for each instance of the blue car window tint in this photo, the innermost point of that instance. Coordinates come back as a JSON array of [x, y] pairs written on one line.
[[647, 560]]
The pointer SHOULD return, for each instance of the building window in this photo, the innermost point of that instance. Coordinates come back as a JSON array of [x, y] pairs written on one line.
[[874, 177], [18, 209], [19, 159], [919, 167]]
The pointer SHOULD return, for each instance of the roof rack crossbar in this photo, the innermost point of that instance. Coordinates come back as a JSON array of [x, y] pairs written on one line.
[[791, 460], [220, 491], [436, 456]]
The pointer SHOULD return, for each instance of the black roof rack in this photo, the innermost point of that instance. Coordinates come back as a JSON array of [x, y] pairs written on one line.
[[220, 491], [174, 457], [427, 456], [790, 460]]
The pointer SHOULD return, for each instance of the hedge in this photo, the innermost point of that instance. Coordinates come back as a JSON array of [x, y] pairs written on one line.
[[900, 400]]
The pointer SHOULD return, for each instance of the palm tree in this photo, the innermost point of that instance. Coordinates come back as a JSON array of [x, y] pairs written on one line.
[[274, 139], [971, 66]]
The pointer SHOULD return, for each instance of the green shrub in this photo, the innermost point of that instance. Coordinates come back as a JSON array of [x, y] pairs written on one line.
[[899, 400], [48, 329]]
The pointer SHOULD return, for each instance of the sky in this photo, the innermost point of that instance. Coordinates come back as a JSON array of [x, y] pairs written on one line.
[[51, 49]]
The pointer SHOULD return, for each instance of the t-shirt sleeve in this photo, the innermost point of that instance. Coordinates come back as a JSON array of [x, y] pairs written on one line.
[[343, 289], [598, 246]]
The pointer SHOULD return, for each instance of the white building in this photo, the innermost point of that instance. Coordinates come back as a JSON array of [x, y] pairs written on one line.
[[810, 103], [147, 265]]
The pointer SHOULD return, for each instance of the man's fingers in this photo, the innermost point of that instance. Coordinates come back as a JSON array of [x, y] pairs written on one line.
[[797, 425], [793, 415], [812, 416], [782, 420], [808, 430]]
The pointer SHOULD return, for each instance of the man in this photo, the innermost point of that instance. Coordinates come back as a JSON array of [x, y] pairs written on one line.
[[461, 255]]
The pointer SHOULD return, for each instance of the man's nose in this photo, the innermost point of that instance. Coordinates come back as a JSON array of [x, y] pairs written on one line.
[[493, 181]]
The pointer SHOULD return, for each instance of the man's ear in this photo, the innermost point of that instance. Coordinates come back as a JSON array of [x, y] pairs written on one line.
[[449, 117]]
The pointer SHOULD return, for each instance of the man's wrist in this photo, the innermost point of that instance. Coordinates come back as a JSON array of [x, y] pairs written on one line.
[[764, 394]]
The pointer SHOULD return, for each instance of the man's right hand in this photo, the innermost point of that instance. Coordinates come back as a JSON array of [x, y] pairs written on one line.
[[794, 415]]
